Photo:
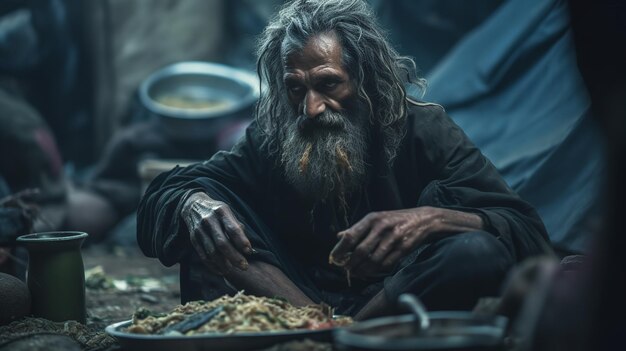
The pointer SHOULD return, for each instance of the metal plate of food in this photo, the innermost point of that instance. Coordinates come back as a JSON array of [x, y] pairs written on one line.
[[213, 342], [230, 323]]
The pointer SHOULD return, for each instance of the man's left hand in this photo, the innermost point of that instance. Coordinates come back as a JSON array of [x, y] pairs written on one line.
[[380, 240]]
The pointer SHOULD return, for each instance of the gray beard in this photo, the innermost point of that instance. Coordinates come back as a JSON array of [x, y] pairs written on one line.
[[325, 157]]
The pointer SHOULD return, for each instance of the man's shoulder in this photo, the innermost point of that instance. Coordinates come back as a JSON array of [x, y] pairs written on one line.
[[428, 120], [420, 112]]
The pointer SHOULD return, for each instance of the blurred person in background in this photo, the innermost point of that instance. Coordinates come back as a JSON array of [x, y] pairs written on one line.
[[38, 85]]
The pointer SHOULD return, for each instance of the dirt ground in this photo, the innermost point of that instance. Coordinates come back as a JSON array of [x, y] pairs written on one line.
[[139, 282], [118, 282]]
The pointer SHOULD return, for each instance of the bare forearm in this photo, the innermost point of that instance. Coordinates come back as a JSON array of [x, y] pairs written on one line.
[[266, 280], [456, 221]]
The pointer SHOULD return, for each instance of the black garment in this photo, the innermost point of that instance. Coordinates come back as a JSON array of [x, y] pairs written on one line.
[[436, 166]]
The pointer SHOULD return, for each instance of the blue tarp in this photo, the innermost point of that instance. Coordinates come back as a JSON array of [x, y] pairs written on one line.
[[513, 85]]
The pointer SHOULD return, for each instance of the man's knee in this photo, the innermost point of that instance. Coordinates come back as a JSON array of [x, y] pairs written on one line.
[[474, 257], [454, 272]]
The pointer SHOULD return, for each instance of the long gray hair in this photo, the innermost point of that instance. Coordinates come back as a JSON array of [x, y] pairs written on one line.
[[377, 71]]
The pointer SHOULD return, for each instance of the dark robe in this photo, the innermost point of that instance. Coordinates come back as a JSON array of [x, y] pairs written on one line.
[[436, 165]]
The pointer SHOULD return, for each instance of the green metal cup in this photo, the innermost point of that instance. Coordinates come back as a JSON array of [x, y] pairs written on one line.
[[56, 275]]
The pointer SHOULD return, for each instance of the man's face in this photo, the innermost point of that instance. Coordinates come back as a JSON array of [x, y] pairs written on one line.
[[325, 145], [315, 78]]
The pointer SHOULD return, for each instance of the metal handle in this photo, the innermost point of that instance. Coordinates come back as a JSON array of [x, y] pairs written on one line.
[[413, 304]]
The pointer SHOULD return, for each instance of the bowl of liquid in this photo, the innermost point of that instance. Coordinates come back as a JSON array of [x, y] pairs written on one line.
[[195, 100]]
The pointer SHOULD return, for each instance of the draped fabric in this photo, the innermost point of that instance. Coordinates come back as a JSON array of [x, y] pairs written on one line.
[[513, 85]]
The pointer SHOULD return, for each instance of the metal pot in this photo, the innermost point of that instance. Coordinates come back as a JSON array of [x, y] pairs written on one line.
[[445, 330], [197, 100]]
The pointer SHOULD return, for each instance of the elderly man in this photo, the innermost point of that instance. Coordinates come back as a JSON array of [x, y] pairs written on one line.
[[343, 190]]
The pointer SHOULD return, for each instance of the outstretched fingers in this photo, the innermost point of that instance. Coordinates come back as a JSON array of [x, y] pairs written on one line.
[[203, 245], [223, 243], [235, 230]]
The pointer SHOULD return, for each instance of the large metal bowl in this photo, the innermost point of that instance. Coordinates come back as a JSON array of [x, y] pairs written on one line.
[[196, 100], [448, 331]]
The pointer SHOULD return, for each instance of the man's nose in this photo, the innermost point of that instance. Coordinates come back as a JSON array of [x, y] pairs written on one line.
[[313, 104]]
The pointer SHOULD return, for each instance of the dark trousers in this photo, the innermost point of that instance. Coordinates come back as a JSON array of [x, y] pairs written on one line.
[[449, 274]]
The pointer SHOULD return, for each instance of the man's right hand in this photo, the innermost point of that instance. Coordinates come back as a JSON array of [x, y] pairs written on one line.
[[216, 235]]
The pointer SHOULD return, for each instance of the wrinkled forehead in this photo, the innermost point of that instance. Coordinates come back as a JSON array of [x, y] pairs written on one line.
[[319, 49]]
